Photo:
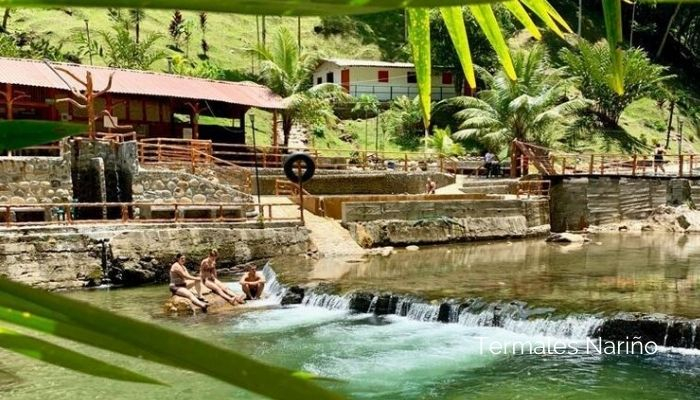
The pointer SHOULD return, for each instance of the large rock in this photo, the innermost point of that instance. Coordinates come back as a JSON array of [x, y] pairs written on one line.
[[177, 305], [567, 237]]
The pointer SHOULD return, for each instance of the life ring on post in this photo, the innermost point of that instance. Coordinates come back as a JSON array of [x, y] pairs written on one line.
[[296, 162]]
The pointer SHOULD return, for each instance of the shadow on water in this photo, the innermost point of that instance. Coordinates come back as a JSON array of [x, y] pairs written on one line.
[[615, 272]]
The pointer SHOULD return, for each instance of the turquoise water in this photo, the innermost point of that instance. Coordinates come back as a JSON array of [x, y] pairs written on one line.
[[388, 357]]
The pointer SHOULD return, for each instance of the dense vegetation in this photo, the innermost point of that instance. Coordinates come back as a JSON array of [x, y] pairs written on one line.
[[219, 46]]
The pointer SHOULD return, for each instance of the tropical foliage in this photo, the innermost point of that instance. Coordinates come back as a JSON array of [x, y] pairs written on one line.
[[442, 144], [592, 66], [121, 50], [524, 109], [403, 121]]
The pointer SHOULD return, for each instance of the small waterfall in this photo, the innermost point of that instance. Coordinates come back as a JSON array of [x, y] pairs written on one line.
[[575, 327], [329, 301], [273, 287], [668, 326], [423, 312], [693, 330], [373, 305], [402, 306]]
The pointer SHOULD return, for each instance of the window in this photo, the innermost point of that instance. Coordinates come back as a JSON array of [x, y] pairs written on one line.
[[447, 78], [329, 77], [411, 77], [319, 80], [383, 76]]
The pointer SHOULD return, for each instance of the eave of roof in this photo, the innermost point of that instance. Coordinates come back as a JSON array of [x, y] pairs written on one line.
[[133, 82], [344, 62]]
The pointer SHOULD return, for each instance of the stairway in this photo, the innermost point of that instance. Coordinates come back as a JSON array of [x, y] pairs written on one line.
[[488, 186]]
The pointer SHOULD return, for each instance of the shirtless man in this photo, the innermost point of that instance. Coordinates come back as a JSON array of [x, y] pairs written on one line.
[[207, 271], [252, 283], [181, 280]]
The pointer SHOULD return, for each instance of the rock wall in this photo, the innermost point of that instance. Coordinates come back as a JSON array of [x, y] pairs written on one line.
[[361, 182], [424, 222], [577, 203], [31, 180], [182, 187], [58, 258]]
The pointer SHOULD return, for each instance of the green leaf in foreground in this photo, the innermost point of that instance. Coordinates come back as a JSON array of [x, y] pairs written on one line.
[[84, 323], [612, 11], [454, 21], [419, 37], [56, 355], [18, 134], [483, 14]]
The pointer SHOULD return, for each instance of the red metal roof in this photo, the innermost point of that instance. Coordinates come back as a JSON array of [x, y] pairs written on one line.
[[37, 73]]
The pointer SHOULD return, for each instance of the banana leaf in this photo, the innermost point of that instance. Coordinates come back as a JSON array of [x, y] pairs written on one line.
[[18, 134]]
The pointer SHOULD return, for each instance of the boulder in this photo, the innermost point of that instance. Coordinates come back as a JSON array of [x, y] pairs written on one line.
[[412, 248], [177, 305], [294, 295]]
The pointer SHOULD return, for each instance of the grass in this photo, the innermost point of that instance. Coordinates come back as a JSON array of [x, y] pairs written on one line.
[[228, 34]]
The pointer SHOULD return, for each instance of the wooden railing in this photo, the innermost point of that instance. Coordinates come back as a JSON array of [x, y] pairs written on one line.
[[529, 188], [683, 165], [136, 212], [287, 188], [192, 154]]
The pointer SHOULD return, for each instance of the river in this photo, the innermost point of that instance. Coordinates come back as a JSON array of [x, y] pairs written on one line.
[[407, 357]]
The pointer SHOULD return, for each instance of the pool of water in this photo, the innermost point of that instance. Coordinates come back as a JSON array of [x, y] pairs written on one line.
[[649, 272], [393, 357]]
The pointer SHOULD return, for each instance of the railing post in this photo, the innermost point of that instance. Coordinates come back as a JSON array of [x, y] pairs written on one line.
[[8, 218], [125, 213], [269, 212], [69, 214], [590, 165], [563, 165], [602, 164], [192, 159], [158, 151], [405, 162], [634, 165], [176, 213], [680, 165], [442, 168], [221, 212]]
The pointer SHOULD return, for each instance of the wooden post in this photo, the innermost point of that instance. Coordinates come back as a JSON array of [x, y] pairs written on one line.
[[680, 165], [221, 212], [176, 213], [8, 218], [690, 170], [274, 131], [634, 165], [125, 213], [563, 165], [442, 167], [602, 164], [405, 162], [158, 151], [193, 161], [513, 160], [590, 165]]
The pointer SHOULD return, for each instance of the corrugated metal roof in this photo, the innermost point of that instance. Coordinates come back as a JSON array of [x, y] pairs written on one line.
[[345, 62], [37, 73]]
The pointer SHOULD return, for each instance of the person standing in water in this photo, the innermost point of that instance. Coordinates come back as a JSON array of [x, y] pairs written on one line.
[[178, 283], [659, 158], [207, 272], [252, 283]]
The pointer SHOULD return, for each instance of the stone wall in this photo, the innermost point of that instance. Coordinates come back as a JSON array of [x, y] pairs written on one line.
[[57, 258], [362, 182], [31, 180], [182, 187], [579, 202], [423, 222]]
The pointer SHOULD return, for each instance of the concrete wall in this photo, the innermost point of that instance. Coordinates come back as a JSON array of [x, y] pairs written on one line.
[[579, 202], [57, 258], [427, 222], [362, 183], [181, 187]]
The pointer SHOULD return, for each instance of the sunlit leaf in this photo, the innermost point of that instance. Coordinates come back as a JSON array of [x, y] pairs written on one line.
[[454, 21], [152, 343], [519, 12], [419, 37], [56, 355], [540, 9], [483, 14], [612, 11], [23, 133]]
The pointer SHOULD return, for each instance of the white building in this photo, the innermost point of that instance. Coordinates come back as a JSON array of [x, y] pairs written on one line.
[[385, 80]]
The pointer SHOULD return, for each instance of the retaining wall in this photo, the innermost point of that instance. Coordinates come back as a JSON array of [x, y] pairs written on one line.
[[31, 180]]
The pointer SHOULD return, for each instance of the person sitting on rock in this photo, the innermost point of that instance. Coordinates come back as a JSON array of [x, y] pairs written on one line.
[[252, 283], [179, 285], [207, 272]]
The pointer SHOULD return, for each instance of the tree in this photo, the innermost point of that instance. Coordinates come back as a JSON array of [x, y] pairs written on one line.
[[122, 51], [366, 104], [403, 121], [441, 143], [592, 66], [203, 27], [5, 19], [286, 71], [137, 15], [176, 29], [523, 109], [8, 47]]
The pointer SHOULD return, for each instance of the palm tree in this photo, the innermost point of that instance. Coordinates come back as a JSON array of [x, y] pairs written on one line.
[[442, 144], [137, 15], [366, 104], [287, 72], [523, 109]]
